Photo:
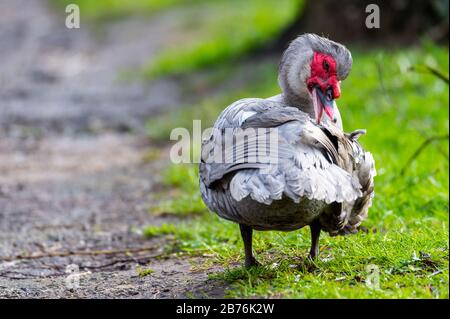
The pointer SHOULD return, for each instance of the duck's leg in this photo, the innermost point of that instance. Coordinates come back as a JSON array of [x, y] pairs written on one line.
[[246, 233], [315, 234]]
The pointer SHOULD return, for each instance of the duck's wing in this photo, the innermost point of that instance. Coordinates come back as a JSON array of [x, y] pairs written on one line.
[[301, 163]]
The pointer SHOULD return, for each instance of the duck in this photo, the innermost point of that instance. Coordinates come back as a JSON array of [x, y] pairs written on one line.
[[284, 162]]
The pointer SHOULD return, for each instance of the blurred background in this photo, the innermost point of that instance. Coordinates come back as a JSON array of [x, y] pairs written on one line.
[[85, 120]]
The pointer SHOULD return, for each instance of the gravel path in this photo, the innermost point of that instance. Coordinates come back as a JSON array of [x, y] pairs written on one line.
[[72, 172]]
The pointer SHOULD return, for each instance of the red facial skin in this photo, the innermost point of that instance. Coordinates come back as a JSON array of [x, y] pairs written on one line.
[[321, 77]]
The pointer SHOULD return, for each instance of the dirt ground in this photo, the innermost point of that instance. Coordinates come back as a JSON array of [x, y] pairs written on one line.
[[72, 172]]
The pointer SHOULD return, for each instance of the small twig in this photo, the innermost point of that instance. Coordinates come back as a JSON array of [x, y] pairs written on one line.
[[140, 260], [442, 152], [420, 149], [435, 273], [436, 146], [381, 82], [438, 73], [428, 69], [79, 253], [4, 275]]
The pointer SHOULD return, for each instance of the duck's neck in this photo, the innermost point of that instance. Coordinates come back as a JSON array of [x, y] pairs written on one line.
[[302, 103], [306, 105]]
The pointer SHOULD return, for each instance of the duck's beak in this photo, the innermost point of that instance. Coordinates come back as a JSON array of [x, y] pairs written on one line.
[[323, 101]]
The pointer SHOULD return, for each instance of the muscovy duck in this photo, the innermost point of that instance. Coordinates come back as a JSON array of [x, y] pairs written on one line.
[[315, 174]]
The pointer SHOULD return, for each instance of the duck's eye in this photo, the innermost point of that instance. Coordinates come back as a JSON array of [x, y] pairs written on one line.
[[326, 65]]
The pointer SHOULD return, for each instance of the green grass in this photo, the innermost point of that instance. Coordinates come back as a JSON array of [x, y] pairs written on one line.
[[214, 31], [144, 272], [104, 10], [222, 31], [407, 236], [184, 200], [208, 109]]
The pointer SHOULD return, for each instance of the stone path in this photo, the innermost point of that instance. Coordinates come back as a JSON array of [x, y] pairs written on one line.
[[73, 174]]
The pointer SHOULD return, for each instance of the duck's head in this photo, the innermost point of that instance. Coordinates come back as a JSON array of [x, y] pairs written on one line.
[[310, 73]]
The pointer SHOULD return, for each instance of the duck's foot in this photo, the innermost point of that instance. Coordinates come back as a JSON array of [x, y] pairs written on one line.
[[251, 262], [312, 256]]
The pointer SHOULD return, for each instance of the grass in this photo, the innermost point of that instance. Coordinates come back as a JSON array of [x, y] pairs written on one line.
[[207, 110], [144, 272], [104, 10], [407, 238], [234, 28], [184, 200], [214, 31]]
